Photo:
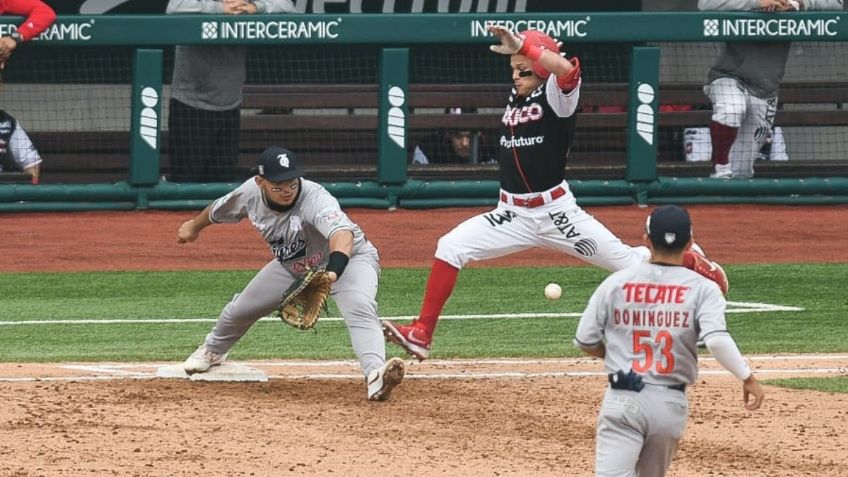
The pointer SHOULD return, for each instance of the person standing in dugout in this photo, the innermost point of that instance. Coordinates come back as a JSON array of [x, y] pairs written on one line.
[[743, 87], [305, 227], [204, 114], [645, 322], [536, 207]]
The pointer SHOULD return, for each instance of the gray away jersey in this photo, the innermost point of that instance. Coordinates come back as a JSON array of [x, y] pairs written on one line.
[[651, 317], [299, 238]]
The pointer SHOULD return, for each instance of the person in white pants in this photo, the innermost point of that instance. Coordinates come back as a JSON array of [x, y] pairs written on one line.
[[743, 87]]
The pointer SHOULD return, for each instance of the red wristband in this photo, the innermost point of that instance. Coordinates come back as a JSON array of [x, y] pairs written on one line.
[[568, 82], [530, 51]]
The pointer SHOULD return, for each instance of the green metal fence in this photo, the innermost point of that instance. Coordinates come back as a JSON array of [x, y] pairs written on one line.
[[393, 186]]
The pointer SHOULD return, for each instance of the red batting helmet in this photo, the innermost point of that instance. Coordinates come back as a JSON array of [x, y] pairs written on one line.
[[543, 41]]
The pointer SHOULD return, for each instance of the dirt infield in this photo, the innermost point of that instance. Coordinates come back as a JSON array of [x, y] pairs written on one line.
[[449, 418]]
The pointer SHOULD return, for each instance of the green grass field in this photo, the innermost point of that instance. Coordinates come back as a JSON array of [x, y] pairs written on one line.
[[133, 296], [193, 300]]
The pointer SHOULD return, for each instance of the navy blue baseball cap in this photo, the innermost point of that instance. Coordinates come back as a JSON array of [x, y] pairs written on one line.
[[277, 164], [669, 227]]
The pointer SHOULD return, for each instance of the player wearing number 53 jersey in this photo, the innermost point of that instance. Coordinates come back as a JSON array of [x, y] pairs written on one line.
[[536, 207], [645, 322]]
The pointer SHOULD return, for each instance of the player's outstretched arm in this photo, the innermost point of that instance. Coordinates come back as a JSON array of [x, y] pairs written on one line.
[[727, 354], [752, 393], [190, 229], [512, 44]]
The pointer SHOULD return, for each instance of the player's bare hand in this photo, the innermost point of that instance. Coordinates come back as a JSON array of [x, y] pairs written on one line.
[[247, 8], [188, 232], [752, 393], [775, 5], [234, 7], [7, 45], [510, 42]]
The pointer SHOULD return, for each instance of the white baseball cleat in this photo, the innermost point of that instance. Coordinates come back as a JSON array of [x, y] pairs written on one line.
[[722, 171], [202, 359], [381, 381]]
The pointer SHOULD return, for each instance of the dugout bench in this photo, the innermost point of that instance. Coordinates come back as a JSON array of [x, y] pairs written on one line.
[[333, 128]]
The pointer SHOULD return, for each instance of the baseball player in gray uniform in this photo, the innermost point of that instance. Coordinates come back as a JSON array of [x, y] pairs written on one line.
[[305, 227], [645, 321], [743, 84]]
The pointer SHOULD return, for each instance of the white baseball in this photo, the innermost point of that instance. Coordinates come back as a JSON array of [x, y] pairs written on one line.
[[553, 291]]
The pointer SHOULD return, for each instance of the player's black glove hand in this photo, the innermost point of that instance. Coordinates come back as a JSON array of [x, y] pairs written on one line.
[[629, 381]]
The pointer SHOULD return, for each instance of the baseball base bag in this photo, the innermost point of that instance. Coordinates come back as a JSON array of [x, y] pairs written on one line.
[[303, 301]]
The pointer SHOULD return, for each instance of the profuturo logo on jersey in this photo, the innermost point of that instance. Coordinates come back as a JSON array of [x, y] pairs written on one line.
[[396, 124], [521, 141], [772, 27], [149, 120], [645, 115]]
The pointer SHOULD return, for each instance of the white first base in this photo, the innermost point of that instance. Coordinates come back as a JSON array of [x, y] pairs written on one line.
[[224, 372]]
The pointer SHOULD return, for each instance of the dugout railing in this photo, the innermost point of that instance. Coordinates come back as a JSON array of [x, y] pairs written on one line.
[[612, 162]]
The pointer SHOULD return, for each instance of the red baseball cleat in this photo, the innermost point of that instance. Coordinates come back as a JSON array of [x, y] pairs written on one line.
[[413, 338], [694, 259]]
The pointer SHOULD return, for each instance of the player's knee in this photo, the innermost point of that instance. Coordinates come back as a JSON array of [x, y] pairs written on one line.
[[448, 251], [730, 114]]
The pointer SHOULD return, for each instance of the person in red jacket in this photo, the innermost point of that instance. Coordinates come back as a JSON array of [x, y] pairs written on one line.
[[38, 15]]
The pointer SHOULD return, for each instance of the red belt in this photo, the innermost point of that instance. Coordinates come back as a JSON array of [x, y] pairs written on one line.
[[534, 201]]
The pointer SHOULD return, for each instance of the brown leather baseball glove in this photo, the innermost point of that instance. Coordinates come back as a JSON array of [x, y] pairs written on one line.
[[302, 303]]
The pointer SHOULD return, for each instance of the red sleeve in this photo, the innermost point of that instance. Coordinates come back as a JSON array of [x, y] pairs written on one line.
[[38, 15]]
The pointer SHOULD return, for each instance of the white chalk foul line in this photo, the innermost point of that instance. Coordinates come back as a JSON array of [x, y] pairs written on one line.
[[115, 371], [547, 374], [733, 307], [471, 375], [110, 367]]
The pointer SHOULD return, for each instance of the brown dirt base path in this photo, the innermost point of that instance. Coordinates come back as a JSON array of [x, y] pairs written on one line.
[[495, 417], [146, 240]]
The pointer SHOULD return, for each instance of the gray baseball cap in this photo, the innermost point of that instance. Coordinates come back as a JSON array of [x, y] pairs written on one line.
[[669, 227], [277, 164]]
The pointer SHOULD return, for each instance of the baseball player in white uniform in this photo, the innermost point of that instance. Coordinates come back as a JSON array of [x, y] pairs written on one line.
[[305, 227], [537, 207], [16, 148], [644, 321], [743, 86]]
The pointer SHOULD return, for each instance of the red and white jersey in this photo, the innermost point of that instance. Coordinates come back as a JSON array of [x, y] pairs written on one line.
[[651, 316]]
